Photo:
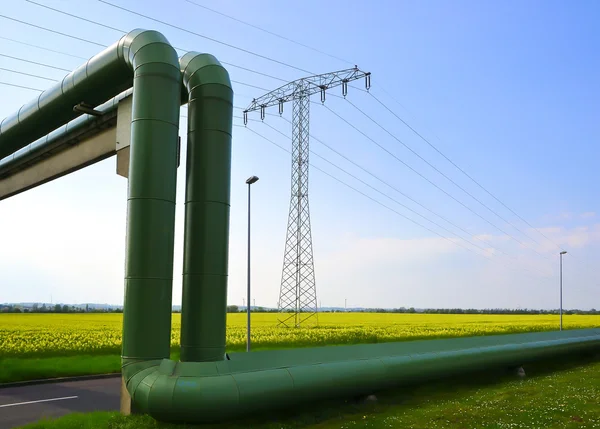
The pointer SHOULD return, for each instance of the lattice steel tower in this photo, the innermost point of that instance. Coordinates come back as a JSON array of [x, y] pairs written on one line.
[[298, 293]]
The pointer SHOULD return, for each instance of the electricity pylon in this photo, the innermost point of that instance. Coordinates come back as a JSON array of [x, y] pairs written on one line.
[[298, 293]]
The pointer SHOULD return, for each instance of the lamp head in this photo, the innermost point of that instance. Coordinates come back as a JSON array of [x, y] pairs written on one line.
[[563, 252], [251, 180]]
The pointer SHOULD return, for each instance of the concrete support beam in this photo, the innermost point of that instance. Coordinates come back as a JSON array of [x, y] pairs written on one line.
[[80, 155]]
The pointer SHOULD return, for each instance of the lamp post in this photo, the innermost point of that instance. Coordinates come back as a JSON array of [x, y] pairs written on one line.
[[561, 255], [250, 181]]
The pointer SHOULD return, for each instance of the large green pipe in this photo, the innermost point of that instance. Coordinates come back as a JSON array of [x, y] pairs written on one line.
[[202, 392], [208, 176], [146, 60], [151, 201], [103, 76], [39, 147]]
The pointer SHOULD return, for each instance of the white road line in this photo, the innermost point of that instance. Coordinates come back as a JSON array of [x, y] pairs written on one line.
[[37, 402]]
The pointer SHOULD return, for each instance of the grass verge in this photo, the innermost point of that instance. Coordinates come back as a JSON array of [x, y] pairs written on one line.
[[24, 369], [31, 368], [557, 394]]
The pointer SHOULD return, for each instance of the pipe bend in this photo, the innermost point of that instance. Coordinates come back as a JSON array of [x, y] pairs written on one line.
[[202, 69]]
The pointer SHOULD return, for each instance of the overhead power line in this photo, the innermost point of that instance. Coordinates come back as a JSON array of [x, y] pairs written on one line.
[[329, 147], [100, 44], [420, 174], [183, 29], [362, 193], [448, 178], [28, 74], [269, 32], [463, 171], [70, 36], [399, 118], [313, 137], [455, 165], [21, 86], [229, 45], [41, 47], [373, 187], [74, 16], [34, 62], [393, 199], [382, 204], [53, 31]]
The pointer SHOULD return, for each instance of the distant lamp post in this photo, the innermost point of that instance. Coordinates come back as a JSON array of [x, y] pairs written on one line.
[[250, 181], [561, 288]]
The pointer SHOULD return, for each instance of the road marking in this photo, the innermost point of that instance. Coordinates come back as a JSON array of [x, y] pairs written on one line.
[[37, 402]]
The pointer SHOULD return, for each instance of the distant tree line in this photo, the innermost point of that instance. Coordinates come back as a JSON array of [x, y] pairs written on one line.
[[57, 308], [478, 311]]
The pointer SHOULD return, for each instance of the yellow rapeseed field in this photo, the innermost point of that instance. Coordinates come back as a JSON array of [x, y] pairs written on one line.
[[72, 334]]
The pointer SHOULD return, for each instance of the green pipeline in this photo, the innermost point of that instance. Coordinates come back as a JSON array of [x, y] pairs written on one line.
[[203, 392], [205, 387], [145, 61], [39, 147], [207, 194]]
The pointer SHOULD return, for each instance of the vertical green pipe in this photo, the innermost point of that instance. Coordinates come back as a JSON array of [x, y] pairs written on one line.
[[151, 200], [207, 199]]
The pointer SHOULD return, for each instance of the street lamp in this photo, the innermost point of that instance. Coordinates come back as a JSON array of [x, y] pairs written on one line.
[[561, 255], [250, 181]]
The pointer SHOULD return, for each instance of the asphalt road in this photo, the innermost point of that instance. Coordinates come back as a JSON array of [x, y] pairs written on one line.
[[27, 404]]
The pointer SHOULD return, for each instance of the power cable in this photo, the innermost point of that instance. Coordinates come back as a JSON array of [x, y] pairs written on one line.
[[35, 62], [52, 31], [75, 16], [67, 70], [460, 169], [270, 32], [412, 169], [362, 193], [249, 85], [385, 91], [206, 37], [387, 196], [256, 120], [41, 47], [21, 86], [27, 74], [116, 29], [373, 199], [444, 175], [370, 186], [396, 189], [403, 121]]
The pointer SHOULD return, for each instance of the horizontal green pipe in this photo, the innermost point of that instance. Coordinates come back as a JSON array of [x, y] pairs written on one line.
[[41, 145], [202, 392], [103, 76]]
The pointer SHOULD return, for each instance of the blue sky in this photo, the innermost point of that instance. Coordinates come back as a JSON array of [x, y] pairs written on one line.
[[507, 90]]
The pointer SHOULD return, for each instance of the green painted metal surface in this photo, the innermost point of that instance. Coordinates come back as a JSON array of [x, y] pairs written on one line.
[[206, 240], [151, 197], [203, 392], [104, 76], [147, 62]]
